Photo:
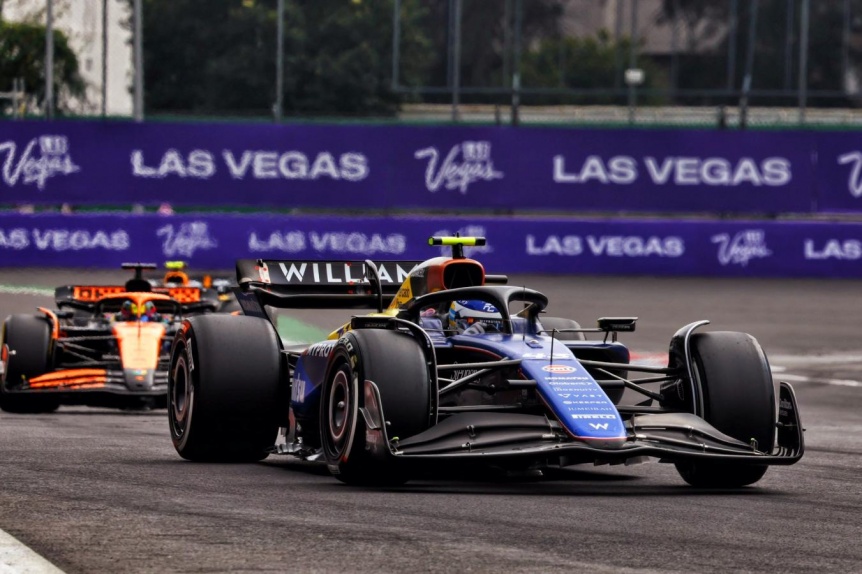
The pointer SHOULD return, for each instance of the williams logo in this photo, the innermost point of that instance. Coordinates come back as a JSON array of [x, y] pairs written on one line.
[[559, 369], [37, 165], [466, 163], [186, 240], [742, 247]]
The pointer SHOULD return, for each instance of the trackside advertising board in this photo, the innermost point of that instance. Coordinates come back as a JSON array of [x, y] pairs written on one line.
[[667, 247], [440, 167]]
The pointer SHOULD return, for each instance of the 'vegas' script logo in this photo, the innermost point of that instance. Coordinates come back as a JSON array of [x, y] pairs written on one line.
[[32, 166], [475, 165], [186, 239], [854, 180], [742, 247]]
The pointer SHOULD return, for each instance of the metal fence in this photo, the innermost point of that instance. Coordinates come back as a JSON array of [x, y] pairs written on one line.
[[707, 62], [729, 63]]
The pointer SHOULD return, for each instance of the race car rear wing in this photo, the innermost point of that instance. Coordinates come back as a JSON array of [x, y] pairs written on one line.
[[318, 284], [85, 297]]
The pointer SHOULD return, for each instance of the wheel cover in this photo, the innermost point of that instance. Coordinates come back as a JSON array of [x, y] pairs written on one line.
[[338, 410], [180, 397]]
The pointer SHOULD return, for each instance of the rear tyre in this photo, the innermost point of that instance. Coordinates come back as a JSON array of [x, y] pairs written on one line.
[[396, 363], [27, 348], [225, 388], [550, 323], [738, 400]]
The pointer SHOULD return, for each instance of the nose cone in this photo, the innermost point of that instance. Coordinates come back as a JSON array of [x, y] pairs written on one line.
[[139, 379]]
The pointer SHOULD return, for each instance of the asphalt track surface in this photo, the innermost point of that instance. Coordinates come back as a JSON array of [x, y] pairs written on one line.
[[103, 491]]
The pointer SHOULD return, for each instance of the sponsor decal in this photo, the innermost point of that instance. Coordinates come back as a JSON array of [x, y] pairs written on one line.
[[710, 171], [263, 272], [37, 165], [599, 426], [252, 164], [186, 239], [606, 245], [297, 389], [315, 272], [742, 247], [466, 163], [462, 373], [568, 386], [854, 179], [559, 369], [581, 402], [327, 243], [845, 250], [546, 356], [60, 239], [320, 349], [593, 416]]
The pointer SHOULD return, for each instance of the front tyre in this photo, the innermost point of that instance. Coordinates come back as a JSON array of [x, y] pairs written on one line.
[[225, 388], [738, 400], [27, 351], [396, 363]]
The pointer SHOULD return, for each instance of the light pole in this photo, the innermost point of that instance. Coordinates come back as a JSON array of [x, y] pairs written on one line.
[[633, 75], [803, 59], [104, 57], [279, 63], [749, 65], [456, 66], [139, 63], [49, 61]]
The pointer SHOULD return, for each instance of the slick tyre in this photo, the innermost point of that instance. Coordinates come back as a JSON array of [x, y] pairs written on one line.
[[225, 388], [396, 363], [738, 399], [27, 350], [551, 323]]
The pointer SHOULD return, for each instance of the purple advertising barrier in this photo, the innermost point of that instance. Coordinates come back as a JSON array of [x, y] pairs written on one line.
[[669, 247], [406, 167]]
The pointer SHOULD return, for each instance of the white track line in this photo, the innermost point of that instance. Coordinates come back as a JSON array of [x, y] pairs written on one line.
[[15, 558], [26, 290], [780, 371]]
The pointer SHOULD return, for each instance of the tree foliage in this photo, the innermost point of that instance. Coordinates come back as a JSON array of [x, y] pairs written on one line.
[[585, 63], [220, 57], [22, 55], [487, 38]]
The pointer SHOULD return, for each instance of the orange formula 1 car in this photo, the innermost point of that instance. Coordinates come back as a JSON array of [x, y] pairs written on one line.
[[105, 345]]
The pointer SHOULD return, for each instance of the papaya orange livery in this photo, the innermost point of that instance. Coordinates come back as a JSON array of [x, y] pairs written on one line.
[[103, 345]]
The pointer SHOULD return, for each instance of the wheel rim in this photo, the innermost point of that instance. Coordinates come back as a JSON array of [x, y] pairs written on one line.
[[338, 409], [181, 396]]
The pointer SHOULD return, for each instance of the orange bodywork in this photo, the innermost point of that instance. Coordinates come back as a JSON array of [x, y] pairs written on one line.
[[181, 294], [93, 293], [78, 378], [55, 322], [139, 343]]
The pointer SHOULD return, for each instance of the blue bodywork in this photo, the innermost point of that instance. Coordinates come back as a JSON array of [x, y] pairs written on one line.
[[564, 385]]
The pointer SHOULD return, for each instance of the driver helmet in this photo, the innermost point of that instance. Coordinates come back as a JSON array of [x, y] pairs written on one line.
[[479, 315], [149, 312], [129, 311]]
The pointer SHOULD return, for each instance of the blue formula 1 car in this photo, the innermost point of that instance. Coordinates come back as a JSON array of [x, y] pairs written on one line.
[[455, 367]]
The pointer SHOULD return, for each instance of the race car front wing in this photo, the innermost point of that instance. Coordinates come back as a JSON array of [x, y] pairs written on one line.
[[494, 437]]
